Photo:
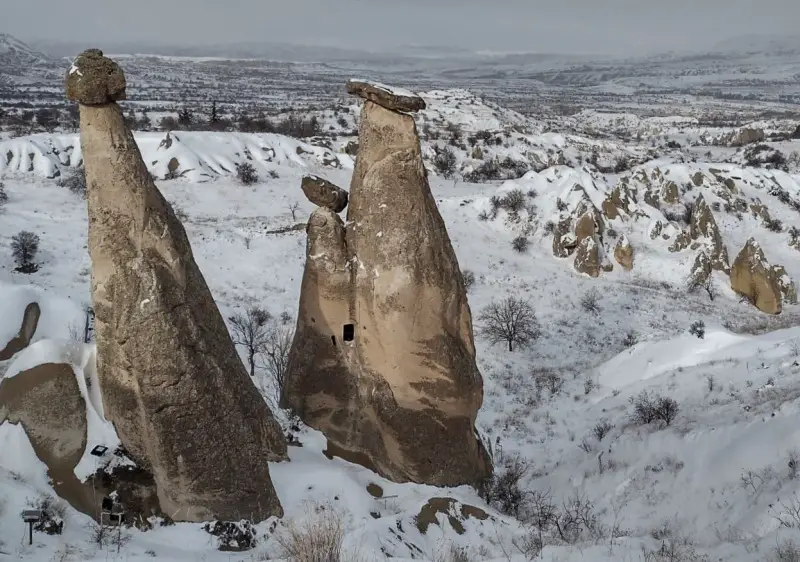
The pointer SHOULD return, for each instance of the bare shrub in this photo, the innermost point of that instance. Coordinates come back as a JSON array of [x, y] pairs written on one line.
[[502, 490], [3, 195], [276, 347], [319, 538], [577, 521], [24, 247], [512, 321], [590, 301], [250, 330], [786, 551], [602, 428], [520, 244], [445, 162], [468, 277], [698, 329], [514, 201], [648, 409], [246, 173], [74, 179]]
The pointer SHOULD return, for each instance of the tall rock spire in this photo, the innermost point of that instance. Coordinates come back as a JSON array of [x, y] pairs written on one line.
[[172, 382]]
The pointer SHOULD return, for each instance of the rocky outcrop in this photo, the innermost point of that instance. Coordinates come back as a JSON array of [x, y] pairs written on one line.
[[753, 278], [701, 270], [172, 381], [703, 231], [323, 193], [30, 321], [703, 225], [787, 286], [588, 257], [623, 253], [743, 137], [47, 402], [383, 359], [670, 193], [564, 241]]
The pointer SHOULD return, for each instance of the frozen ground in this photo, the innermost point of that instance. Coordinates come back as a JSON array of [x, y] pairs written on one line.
[[716, 483]]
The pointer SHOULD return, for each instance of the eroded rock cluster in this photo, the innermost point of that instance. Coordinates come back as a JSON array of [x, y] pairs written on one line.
[[383, 360], [767, 287]]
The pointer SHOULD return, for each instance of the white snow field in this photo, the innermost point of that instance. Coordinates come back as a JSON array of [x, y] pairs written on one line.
[[720, 482]]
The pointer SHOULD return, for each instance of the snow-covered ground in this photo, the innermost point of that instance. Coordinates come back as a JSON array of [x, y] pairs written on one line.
[[715, 484]]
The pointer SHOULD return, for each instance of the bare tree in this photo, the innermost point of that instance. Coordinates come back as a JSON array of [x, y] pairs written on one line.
[[293, 208], [512, 321], [276, 351], [250, 330]]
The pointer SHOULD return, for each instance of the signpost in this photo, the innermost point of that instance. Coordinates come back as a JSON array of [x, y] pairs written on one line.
[[31, 516]]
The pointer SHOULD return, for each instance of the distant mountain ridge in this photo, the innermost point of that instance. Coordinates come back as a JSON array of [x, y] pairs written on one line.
[[15, 53]]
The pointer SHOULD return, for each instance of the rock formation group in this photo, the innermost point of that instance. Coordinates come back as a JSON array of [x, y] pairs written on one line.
[[383, 362], [383, 359], [582, 232]]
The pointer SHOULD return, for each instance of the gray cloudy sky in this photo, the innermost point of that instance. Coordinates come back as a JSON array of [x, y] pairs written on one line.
[[584, 26]]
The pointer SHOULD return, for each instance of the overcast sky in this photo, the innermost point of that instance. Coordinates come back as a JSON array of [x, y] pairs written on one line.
[[565, 26]]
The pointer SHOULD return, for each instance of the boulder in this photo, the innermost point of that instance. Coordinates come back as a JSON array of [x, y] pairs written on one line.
[[588, 258], [394, 99], [623, 253], [94, 79], [383, 359], [753, 278], [323, 193], [30, 321], [172, 381]]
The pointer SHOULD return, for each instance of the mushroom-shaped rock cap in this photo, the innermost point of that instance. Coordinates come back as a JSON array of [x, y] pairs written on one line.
[[94, 79], [395, 99], [323, 193]]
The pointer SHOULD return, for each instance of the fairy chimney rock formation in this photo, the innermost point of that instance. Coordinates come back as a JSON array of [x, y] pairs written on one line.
[[383, 360], [323, 193], [172, 381], [393, 99], [753, 277]]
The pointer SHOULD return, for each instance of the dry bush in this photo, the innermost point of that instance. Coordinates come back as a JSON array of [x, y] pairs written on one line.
[[318, 538]]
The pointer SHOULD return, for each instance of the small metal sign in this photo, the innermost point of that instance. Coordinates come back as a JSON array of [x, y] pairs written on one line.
[[99, 450], [31, 515]]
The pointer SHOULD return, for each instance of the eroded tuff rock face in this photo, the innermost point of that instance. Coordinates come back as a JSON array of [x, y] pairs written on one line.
[[763, 285], [172, 382], [383, 360], [30, 321], [47, 402]]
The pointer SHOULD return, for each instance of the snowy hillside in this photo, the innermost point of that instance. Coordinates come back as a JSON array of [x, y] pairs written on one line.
[[632, 477]]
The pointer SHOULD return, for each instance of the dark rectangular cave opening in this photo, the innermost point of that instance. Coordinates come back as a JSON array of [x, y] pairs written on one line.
[[349, 332]]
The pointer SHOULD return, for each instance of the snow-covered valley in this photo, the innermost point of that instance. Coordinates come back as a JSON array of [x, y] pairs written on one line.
[[715, 478]]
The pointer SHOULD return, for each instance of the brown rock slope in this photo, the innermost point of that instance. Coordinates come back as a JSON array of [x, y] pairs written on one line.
[[383, 360], [172, 382]]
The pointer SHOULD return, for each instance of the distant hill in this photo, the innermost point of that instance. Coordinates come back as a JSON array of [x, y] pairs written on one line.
[[15, 53]]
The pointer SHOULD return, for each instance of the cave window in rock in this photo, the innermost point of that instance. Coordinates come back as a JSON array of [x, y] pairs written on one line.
[[349, 332]]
